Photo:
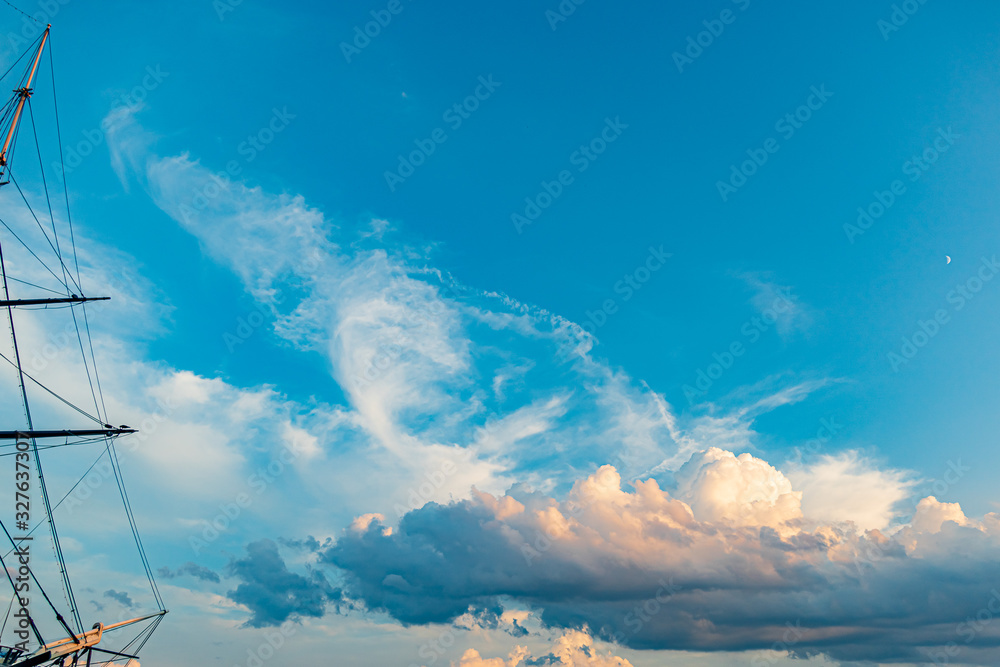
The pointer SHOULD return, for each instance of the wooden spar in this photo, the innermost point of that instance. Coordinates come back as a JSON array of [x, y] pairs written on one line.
[[63, 647], [24, 94], [45, 302], [78, 433]]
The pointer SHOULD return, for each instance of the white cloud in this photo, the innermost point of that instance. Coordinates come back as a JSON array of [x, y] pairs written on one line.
[[573, 649], [848, 487]]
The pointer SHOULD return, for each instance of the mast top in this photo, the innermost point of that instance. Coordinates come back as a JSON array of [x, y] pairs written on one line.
[[23, 94]]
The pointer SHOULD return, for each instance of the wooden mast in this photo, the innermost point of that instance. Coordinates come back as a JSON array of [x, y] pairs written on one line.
[[23, 93]]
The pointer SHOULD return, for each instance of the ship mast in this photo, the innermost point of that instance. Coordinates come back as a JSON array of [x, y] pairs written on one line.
[[80, 644], [23, 93]]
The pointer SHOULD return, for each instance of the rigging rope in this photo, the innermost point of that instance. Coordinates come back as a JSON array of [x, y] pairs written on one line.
[[9, 607], [25, 282], [23, 12], [42, 229], [72, 405], [45, 187], [28, 248], [62, 162]]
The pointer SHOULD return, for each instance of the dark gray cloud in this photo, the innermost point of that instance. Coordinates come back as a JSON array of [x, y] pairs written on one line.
[[308, 544], [121, 598], [273, 593], [190, 569]]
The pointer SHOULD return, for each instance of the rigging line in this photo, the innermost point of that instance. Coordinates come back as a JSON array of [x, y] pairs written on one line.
[[31, 47], [93, 357], [13, 337], [31, 621], [72, 405], [115, 466], [25, 282], [76, 257], [45, 187], [9, 607], [86, 363], [70, 598], [62, 162], [132, 524], [25, 13], [10, 173], [59, 617], [148, 632], [33, 254], [65, 444], [38, 461], [65, 496]]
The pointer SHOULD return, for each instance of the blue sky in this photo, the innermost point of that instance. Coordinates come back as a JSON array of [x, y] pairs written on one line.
[[479, 316]]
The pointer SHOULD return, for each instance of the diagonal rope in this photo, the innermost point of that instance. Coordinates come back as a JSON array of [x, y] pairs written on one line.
[[62, 162], [22, 12], [42, 386], [33, 254], [45, 188], [40, 228]]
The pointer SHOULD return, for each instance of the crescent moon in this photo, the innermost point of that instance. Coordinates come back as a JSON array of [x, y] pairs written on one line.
[[947, 259]]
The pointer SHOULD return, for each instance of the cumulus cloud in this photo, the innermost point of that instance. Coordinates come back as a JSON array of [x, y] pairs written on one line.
[[573, 649], [720, 486], [727, 564], [847, 486], [272, 593]]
